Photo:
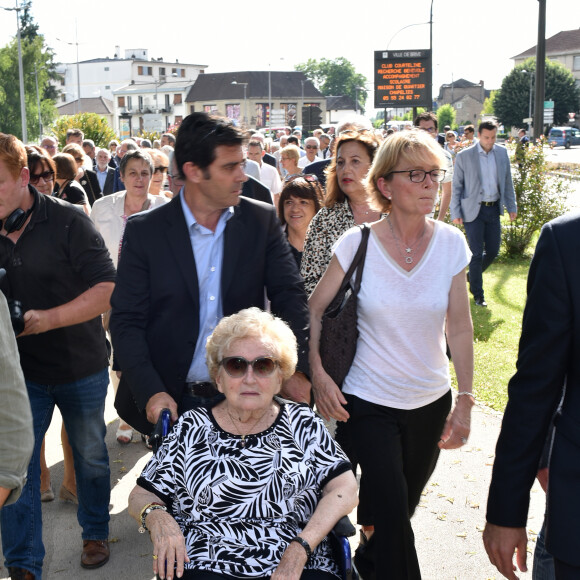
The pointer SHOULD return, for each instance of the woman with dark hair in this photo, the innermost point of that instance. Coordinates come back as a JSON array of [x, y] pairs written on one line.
[[68, 189], [299, 202], [86, 177], [346, 203], [42, 169]]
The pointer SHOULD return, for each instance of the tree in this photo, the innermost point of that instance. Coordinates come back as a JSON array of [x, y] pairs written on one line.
[[335, 77], [445, 116], [94, 127], [34, 52], [511, 102], [489, 105]]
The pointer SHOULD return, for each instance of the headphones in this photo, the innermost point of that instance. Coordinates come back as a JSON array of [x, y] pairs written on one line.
[[17, 219]]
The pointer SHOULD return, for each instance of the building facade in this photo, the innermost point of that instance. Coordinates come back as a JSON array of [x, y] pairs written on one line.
[[563, 47], [246, 97]]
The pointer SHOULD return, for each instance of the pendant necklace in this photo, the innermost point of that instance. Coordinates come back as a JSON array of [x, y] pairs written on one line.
[[244, 435], [406, 255]]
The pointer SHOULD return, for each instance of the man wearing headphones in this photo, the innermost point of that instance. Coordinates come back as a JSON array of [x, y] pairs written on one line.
[[59, 268]]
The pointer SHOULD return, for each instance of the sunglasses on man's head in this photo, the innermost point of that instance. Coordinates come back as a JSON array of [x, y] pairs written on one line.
[[310, 177], [237, 366]]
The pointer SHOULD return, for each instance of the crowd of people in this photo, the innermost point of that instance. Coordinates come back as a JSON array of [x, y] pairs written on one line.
[[193, 275]]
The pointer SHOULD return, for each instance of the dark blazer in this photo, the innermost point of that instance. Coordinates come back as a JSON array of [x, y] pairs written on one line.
[[90, 184], [254, 189], [549, 356], [108, 185], [155, 316], [269, 159]]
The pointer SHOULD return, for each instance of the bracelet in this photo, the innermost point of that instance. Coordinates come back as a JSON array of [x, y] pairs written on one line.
[[470, 394], [146, 511], [305, 545]]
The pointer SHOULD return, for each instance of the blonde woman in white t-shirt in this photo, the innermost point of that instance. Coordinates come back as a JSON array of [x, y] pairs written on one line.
[[396, 398]]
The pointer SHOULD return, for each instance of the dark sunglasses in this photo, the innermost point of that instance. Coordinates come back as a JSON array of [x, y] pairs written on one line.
[[237, 366], [310, 177], [46, 175], [161, 169]]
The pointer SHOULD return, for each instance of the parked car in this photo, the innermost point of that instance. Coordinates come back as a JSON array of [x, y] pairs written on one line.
[[564, 136]]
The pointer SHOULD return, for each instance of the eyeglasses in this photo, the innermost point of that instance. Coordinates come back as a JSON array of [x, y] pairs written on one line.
[[46, 175], [310, 177], [161, 169], [418, 175], [237, 366]]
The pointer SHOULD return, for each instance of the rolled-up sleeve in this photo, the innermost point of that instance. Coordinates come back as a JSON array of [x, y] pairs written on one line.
[[16, 433]]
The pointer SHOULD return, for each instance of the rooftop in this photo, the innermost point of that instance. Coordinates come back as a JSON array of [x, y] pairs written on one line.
[[230, 85], [564, 42]]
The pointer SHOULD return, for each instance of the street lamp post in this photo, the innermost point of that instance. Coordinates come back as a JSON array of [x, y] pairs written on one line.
[[531, 75], [20, 72]]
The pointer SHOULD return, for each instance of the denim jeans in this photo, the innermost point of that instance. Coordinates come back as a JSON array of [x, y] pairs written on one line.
[[82, 406], [543, 561], [484, 238]]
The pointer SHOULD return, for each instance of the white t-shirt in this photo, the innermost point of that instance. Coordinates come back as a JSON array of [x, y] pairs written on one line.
[[304, 161], [401, 357]]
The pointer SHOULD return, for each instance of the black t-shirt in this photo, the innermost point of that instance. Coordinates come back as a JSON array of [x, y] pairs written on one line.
[[58, 256]]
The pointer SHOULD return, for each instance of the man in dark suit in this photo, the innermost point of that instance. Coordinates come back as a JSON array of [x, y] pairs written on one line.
[[549, 357], [207, 254], [482, 187], [105, 173]]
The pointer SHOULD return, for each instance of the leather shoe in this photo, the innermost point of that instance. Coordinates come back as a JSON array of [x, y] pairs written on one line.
[[480, 302], [20, 574], [95, 553]]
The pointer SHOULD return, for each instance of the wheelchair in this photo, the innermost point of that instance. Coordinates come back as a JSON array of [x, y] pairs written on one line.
[[338, 536]]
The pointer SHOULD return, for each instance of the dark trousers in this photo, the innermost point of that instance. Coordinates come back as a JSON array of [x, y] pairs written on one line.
[[397, 450], [566, 571], [484, 239]]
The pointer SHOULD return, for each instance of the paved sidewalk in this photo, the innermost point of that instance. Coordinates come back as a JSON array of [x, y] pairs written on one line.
[[448, 523]]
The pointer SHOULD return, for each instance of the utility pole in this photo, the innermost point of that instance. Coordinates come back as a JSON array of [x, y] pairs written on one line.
[[540, 70]]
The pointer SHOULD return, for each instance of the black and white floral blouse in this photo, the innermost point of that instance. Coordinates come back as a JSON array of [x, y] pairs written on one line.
[[239, 506], [324, 229]]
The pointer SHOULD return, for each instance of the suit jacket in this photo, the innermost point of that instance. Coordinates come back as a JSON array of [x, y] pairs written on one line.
[[90, 184], [269, 159], [549, 356], [468, 186], [109, 180], [155, 305]]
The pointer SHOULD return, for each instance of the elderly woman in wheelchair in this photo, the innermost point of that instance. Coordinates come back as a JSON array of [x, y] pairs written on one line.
[[251, 485]]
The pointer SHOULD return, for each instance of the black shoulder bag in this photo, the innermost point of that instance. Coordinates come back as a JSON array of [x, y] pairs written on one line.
[[339, 333]]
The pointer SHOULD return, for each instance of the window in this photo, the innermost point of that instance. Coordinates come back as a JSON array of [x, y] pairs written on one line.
[[120, 101], [177, 99], [576, 65]]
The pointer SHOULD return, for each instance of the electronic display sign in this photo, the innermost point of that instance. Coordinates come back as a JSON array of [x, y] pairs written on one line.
[[403, 78]]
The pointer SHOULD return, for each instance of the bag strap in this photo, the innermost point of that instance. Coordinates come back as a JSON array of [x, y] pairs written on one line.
[[358, 261]]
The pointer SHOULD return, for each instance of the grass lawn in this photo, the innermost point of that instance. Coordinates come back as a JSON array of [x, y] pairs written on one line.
[[497, 328]]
